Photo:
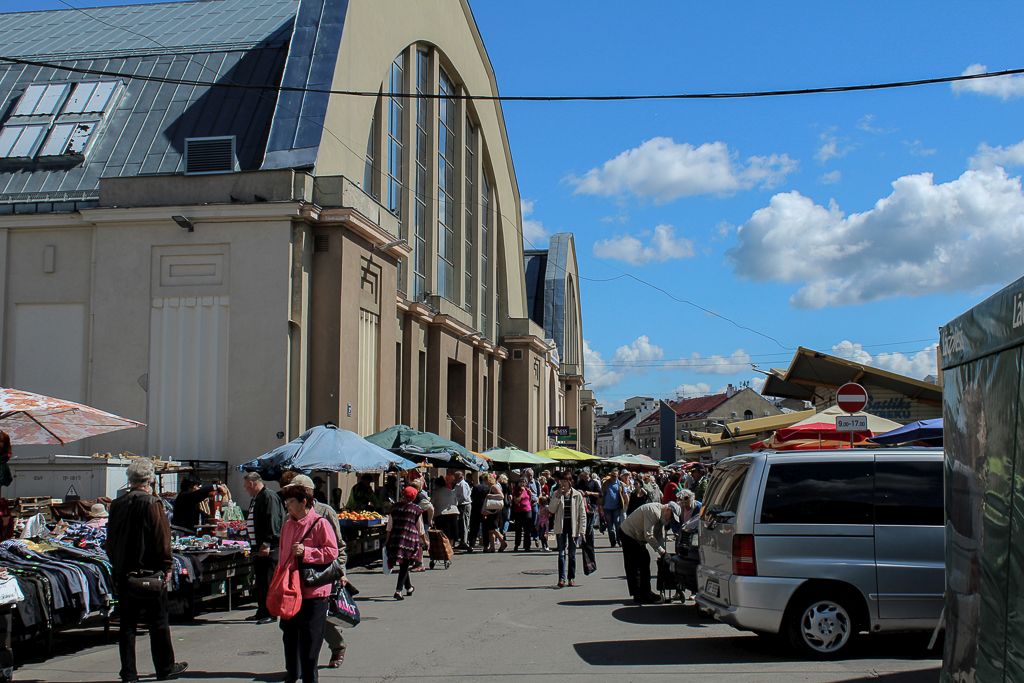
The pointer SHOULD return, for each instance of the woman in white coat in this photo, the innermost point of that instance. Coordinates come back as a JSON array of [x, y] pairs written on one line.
[[569, 521]]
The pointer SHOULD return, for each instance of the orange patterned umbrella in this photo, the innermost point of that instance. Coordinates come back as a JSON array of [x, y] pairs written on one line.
[[31, 419]]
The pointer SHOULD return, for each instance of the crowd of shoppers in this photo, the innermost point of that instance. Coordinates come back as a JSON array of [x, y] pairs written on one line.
[[292, 525]]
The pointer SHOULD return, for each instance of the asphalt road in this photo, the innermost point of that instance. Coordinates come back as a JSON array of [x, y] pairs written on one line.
[[501, 617]]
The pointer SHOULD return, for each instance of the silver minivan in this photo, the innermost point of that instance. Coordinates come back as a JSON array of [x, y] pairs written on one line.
[[822, 545]]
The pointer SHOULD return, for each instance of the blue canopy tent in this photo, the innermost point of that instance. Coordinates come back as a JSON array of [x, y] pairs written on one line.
[[923, 431], [326, 448]]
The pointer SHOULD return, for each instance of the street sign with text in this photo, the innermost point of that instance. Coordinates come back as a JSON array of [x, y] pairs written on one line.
[[562, 435], [852, 397], [851, 423]]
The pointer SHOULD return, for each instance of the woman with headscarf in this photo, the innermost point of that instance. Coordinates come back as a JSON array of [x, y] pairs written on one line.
[[307, 539], [406, 538]]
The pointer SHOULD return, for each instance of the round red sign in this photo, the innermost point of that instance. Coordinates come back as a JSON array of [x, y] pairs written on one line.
[[852, 397]]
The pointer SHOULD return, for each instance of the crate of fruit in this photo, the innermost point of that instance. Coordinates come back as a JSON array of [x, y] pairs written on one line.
[[360, 518]]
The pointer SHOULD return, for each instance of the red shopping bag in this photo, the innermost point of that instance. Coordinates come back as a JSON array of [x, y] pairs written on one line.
[[284, 596]]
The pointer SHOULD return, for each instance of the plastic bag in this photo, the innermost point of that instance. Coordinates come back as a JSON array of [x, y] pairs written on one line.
[[384, 559], [343, 608]]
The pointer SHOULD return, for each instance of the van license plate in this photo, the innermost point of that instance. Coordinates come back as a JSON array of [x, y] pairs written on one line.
[[711, 588]]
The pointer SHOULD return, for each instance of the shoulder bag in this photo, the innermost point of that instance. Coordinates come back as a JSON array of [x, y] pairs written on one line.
[[316, 575]]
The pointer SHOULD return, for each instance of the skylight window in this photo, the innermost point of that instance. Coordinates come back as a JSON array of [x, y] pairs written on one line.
[[42, 99], [54, 120], [20, 142]]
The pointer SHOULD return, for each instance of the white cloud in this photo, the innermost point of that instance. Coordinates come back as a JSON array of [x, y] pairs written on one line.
[[987, 156], [639, 349], [917, 365], [830, 147], [1003, 87], [662, 246], [534, 233], [923, 238], [867, 124], [737, 361], [692, 390], [664, 170], [917, 148], [831, 178], [599, 375]]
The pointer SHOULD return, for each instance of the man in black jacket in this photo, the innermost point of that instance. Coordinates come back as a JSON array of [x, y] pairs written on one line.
[[139, 548], [263, 524]]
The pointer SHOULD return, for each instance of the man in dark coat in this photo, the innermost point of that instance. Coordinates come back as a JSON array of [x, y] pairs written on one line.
[[477, 496], [263, 523], [139, 548]]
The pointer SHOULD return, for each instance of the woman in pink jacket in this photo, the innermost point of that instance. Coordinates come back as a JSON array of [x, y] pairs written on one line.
[[306, 538]]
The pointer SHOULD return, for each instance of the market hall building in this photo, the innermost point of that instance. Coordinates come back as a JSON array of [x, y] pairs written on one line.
[[232, 264]]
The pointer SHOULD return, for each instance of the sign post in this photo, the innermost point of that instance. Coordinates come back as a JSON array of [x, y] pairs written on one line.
[[851, 398]]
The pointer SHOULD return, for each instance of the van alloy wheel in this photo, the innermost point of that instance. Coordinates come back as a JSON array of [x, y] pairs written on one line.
[[825, 627]]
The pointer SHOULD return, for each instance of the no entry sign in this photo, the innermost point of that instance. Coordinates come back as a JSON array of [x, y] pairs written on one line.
[[852, 397]]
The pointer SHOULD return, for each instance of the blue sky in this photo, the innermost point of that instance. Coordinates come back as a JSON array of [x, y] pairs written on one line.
[[856, 223]]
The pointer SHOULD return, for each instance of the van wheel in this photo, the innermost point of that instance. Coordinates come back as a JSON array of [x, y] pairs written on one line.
[[821, 627]]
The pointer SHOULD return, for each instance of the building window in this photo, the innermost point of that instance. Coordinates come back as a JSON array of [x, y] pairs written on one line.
[[446, 190], [748, 414], [421, 212], [469, 224], [485, 250], [56, 119], [396, 143]]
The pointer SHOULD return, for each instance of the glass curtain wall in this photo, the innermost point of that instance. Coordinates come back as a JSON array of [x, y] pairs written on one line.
[[447, 110], [396, 153], [485, 250], [469, 224], [421, 212]]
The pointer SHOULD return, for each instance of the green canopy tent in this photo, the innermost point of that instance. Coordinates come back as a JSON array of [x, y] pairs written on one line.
[[514, 456], [418, 445]]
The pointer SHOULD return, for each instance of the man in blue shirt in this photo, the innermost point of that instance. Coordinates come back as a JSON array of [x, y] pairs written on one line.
[[612, 503]]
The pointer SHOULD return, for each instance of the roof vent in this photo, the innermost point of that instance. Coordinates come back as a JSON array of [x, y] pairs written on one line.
[[210, 155]]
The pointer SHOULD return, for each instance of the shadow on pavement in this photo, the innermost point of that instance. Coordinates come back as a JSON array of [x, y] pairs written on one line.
[[662, 614], [594, 603], [512, 588], [920, 676], [739, 649]]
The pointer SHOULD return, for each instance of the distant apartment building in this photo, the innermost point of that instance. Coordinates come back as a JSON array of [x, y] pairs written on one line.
[[708, 414], [618, 433]]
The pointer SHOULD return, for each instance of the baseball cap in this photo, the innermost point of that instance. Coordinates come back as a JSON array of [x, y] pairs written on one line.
[[677, 512], [410, 493], [303, 481]]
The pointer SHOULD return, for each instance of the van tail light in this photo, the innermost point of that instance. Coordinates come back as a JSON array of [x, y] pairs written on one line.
[[744, 561]]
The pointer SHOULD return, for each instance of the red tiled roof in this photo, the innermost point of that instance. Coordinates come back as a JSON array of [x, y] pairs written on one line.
[[690, 408]]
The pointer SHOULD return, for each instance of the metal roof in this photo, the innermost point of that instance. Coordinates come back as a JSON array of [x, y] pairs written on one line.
[[129, 29], [231, 41]]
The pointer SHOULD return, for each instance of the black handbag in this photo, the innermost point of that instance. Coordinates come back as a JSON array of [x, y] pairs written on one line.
[[148, 581], [315, 575]]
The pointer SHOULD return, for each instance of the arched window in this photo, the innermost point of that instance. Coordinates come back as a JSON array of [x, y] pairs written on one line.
[[748, 414]]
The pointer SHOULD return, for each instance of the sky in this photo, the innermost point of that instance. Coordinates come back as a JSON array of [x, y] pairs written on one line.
[[850, 223]]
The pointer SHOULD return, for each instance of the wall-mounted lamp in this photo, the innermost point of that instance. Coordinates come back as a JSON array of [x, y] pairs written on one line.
[[396, 243], [184, 223]]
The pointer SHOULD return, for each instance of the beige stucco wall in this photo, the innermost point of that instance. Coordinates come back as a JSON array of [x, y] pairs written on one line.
[[105, 258]]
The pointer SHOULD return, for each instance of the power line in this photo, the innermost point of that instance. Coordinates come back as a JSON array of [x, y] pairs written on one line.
[[742, 94], [375, 165]]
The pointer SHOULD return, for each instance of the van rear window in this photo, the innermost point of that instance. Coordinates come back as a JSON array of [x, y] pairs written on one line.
[[819, 493], [723, 494]]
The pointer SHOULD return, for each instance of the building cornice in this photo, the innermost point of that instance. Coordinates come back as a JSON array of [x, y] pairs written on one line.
[[535, 343], [356, 222]]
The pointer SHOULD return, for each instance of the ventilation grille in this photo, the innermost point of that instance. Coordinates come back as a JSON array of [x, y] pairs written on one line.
[[209, 155], [322, 243], [517, 354]]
